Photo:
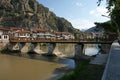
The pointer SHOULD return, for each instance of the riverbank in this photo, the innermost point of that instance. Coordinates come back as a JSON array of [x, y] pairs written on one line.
[[85, 71]]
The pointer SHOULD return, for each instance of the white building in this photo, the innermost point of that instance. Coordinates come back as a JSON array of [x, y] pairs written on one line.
[[19, 33], [40, 33], [56, 35], [4, 37], [63, 35], [22, 34], [67, 35]]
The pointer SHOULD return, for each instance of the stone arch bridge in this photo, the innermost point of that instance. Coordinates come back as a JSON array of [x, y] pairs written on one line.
[[30, 45]]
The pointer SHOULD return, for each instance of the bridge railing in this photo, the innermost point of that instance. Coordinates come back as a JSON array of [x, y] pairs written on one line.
[[22, 39]]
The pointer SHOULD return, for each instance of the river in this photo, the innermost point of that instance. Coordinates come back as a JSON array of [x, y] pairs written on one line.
[[37, 67]]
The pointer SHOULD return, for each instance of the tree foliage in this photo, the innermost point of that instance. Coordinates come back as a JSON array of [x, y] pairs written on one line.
[[114, 8], [110, 3], [107, 26]]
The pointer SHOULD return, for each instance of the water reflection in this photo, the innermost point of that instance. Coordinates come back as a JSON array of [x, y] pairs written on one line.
[[91, 51]]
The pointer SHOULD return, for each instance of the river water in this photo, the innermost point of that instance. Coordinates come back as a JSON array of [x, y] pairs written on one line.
[[38, 67]]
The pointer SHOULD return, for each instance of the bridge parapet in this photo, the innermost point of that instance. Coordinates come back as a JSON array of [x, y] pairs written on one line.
[[112, 69], [44, 40]]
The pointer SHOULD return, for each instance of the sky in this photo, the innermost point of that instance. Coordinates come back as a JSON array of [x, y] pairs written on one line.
[[81, 13]]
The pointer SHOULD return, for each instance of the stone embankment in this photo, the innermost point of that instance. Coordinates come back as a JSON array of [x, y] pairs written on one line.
[[3, 45]]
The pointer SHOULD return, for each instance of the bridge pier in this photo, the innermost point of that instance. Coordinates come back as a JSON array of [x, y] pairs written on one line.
[[31, 47], [37, 48], [24, 47], [78, 51], [51, 47], [34, 47], [3, 45], [13, 46]]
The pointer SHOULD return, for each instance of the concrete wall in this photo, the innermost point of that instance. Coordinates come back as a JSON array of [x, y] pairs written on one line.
[[112, 68]]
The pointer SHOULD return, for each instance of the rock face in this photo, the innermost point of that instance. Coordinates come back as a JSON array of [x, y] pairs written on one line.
[[29, 13]]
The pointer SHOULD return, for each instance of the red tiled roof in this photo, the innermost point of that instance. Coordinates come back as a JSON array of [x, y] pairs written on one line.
[[15, 29], [19, 30], [39, 29], [23, 31], [58, 33], [5, 29], [66, 33]]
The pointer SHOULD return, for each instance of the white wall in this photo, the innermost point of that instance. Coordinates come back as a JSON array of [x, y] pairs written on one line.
[[1, 32]]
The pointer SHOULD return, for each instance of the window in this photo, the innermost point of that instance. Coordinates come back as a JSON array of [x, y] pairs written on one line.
[[5, 37]]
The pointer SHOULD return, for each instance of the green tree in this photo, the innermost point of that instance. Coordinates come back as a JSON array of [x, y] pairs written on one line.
[[114, 8], [107, 26]]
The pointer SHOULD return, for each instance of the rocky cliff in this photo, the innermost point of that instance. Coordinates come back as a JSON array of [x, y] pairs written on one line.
[[30, 13]]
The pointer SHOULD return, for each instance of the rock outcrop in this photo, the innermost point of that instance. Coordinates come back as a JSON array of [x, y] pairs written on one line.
[[30, 13]]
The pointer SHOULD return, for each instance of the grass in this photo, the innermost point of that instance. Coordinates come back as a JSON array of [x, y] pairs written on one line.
[[85, 71]]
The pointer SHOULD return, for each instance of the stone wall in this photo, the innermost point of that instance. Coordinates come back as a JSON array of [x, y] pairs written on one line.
[[3, 45]]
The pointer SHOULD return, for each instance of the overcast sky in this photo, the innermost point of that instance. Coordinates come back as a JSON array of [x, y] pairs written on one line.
[[81, 13]]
